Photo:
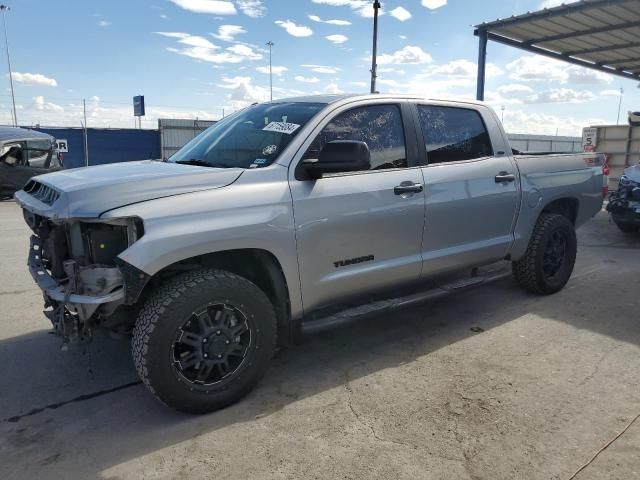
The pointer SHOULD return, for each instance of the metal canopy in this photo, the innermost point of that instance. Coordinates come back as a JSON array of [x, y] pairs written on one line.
[[601, 35]]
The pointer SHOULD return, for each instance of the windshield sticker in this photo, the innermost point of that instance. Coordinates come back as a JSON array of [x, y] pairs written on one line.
[[258, 162], [269, 150], [281, 127]]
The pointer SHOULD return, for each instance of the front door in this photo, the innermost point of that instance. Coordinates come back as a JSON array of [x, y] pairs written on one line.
[[356, 232], [471, 189]]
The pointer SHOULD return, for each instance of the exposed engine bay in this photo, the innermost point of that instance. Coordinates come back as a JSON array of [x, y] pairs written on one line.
[[74, 261], [624, 204]]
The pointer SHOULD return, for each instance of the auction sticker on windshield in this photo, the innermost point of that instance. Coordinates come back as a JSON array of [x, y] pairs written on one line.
[[281, 127]]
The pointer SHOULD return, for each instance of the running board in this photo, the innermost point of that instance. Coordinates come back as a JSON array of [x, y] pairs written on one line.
[[362, 311]]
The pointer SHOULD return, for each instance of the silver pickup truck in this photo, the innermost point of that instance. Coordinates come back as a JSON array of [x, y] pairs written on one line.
[[293, 216]]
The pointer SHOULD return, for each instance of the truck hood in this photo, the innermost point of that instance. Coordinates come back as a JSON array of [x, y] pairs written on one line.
[[89, 192]]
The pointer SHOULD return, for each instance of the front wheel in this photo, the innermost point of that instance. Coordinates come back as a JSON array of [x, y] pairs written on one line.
[[548, 262], [204, 340]]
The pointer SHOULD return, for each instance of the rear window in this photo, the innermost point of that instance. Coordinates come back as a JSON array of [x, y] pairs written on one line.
[[452, 134]]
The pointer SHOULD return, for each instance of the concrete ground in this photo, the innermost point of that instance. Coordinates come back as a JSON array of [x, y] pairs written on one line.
[[489, 384]]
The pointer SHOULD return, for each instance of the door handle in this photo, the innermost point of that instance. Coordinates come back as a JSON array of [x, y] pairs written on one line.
[[407, 187], [505, 177]]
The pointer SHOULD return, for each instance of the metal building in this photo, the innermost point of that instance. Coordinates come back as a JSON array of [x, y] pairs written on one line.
[[174, 133]]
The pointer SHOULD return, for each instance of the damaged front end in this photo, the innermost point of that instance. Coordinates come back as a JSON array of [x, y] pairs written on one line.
[[624, 203], [74, 262]]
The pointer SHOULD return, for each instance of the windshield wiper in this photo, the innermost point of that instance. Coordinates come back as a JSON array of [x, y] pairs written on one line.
[[194, 161], [202, 163]]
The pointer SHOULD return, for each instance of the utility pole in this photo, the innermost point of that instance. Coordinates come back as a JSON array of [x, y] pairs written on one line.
[[86, 146], [270, 44], [374, 52], [4, 9], [619, 105]]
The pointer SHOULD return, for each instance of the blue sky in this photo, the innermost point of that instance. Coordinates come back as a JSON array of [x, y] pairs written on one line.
[[194, 58]]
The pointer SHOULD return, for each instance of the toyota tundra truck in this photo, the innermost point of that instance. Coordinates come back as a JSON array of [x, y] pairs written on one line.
[[292, 216]]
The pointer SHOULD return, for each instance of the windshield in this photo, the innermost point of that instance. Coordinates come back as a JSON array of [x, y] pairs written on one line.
[[251, 138]]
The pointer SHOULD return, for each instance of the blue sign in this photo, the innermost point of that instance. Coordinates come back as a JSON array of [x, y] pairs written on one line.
[[138, 106]]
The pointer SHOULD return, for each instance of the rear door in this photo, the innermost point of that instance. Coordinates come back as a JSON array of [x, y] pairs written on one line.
[[471, 186], [356, 232]]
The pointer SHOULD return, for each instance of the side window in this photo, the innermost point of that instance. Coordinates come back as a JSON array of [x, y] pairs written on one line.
[[380, 126], [452, 134], [38, 151]]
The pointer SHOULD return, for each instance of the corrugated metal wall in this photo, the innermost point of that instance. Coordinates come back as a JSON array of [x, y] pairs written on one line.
[[174, 133], [107, 145], [544, 143], [622, 143]]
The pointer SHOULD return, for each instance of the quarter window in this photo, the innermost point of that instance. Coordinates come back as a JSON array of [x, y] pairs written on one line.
[[379, 126], [452, 134]]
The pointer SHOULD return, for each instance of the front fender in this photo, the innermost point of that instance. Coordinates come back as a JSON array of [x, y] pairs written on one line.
[[247, 215]]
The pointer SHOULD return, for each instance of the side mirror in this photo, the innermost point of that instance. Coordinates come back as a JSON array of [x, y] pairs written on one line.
[[339, 156]]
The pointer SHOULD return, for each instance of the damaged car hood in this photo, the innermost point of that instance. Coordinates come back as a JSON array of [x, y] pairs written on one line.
[[89, 192]]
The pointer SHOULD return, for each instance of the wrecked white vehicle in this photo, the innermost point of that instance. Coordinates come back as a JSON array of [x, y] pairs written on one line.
[[624, 203]]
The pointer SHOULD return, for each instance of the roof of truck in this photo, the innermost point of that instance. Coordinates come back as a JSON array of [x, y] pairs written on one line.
[[328, 99]]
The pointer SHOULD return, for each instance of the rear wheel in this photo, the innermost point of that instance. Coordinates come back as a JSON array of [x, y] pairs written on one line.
[[548, 262], [204, 340]]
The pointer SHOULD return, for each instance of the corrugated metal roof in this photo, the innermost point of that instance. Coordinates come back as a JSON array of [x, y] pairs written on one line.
[[599, 34]]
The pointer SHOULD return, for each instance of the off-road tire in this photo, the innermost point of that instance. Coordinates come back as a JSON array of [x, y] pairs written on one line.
[[626, 227], [164, 313], [529, 270]]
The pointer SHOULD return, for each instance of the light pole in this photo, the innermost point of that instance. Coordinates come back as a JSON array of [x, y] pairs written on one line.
[[4, 9], [270, 44], [502, 117], [619, 106], [374, 51]]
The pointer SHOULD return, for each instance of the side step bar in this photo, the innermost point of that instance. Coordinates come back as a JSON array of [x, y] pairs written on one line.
[[362, 311]]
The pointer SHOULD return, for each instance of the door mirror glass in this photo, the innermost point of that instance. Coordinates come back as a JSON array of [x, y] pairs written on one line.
[[339, 156]]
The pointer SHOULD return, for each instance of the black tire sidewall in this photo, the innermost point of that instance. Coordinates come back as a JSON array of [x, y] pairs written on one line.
[[559, 280], [162, 378]]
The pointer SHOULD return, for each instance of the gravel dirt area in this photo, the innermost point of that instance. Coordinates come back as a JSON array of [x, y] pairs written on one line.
[[493, 383]]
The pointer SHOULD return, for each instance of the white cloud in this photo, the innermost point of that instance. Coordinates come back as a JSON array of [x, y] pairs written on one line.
[[228, 32], [243, 92], [338, 22], [202, 49], [252, 8], [400, 13], [402, 37], [465, 68], [104, 23], [40, 104], [337, 39], [293, 29], [214, 7], [277, 70], [364, 8], [561, 95], [433, 4], [515, 89], [321, 68], [610, 93], [538, 68], [333, 88], [34, 79], [554, 3], [406, 55], [518, 121], [302, 79]]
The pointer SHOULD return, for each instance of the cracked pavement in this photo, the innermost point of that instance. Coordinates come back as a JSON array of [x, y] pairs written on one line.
[[493, 383]]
